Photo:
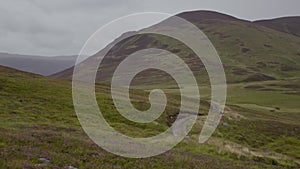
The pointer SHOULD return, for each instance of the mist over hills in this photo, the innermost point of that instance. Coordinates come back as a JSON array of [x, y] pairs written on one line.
[[37, 64]]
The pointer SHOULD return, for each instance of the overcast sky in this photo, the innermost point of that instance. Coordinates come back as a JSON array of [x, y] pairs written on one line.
[[61, 27]]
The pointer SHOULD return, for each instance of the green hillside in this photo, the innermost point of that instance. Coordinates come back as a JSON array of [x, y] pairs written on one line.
[[39, 127], [249, 51]]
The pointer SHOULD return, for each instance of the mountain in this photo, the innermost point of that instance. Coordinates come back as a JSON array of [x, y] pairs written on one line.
[[37, 64], [202, 16], [248, 50], [288, 25]]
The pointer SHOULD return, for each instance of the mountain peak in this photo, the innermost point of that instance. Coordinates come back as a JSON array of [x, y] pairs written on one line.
[[202, 15]]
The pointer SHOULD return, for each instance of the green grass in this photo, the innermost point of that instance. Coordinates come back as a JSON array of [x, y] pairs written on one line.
[[38, 121]]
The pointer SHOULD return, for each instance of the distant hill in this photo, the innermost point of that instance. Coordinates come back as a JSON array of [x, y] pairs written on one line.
[[250, 51], [37, 64], [289, 25]]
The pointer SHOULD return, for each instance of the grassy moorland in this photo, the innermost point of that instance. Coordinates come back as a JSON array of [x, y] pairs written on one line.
[[39, 128], [260, 127]]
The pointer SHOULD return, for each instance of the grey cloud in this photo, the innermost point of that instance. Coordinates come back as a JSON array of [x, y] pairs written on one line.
[[56, 27]]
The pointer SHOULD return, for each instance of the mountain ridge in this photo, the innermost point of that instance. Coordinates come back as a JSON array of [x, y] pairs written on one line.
[[290, 24]]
